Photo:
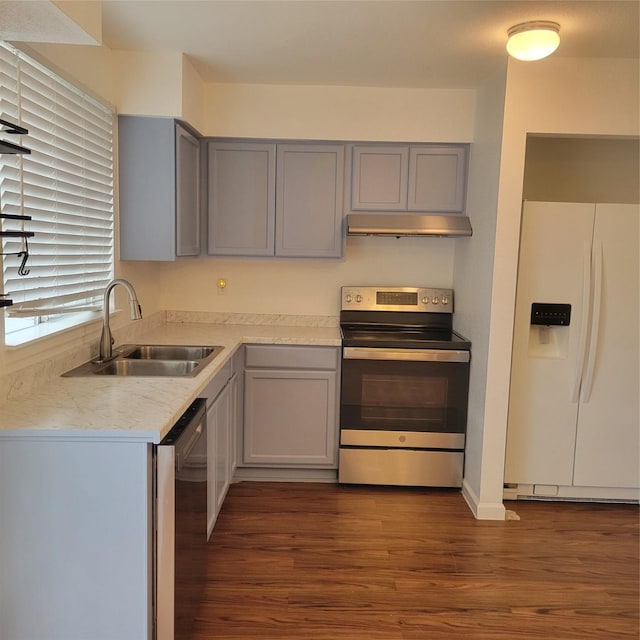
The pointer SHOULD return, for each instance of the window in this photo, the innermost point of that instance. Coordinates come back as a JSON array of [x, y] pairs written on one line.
[[66, 185]]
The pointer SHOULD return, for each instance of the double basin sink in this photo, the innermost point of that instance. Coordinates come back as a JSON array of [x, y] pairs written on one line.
[[151, 360]]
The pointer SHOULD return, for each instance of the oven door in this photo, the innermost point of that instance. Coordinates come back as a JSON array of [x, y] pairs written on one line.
[[409, 390]]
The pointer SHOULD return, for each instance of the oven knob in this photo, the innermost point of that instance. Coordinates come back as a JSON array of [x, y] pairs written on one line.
[[435, 300], [358, 298], [348, 298], [425, 300], [445, 300]]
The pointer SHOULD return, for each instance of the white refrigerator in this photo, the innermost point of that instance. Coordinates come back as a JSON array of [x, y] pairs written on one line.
[[573, 425]]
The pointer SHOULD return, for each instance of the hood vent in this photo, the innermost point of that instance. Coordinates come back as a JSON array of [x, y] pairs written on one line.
[[393, 224]]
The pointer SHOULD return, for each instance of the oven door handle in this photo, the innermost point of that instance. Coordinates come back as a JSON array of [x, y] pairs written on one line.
[[415, 355]]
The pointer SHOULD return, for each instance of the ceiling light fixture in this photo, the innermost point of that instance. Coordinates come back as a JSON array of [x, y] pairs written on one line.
[[533, 40]]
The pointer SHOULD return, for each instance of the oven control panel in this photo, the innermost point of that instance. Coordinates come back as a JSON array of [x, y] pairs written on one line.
[[397, 299]]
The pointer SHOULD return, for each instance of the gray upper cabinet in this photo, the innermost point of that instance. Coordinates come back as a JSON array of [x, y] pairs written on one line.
[[409, 178], [379, 178], [242, 179], [437, 178], [275, 199], [309, 194], [187, 193], [159, 188]]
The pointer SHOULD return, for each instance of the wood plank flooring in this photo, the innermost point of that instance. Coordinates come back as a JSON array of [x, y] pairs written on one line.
[[334, 562]]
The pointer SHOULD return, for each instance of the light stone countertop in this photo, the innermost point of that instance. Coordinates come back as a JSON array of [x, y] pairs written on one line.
[[140, 409]]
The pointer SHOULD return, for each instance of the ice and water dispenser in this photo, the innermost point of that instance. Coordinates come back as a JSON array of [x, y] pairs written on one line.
[[548, 331]]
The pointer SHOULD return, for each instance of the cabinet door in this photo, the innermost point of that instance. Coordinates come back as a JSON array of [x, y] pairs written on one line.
[[309, 196], [218, 454], [223, 451], [290, 417], [235, 412], [187, 193], [241, 203], [212, 512], [237, 409], [147, 176], [379, 178], [437, 179]]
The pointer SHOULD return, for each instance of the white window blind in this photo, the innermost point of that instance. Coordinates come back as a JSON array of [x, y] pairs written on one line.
[[65, 185]]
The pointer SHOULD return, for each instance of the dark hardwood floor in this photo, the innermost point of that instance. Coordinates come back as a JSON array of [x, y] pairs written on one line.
[[330, 562]]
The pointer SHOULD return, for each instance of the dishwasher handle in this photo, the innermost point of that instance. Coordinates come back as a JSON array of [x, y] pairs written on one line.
[[187, 431]]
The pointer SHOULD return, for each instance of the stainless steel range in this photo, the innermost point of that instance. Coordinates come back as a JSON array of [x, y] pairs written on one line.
[[404, 390]]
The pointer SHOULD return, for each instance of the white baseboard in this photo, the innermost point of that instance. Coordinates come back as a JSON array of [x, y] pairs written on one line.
[[576, 494], [482, 510], [258, 474]]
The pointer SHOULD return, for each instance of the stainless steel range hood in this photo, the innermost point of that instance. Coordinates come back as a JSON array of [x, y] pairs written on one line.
[[400, 224]]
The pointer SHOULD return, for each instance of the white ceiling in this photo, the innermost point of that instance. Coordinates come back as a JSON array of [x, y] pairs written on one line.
[[383, 43]]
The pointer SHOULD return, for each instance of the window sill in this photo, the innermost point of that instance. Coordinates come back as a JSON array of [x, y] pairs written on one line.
[[54, 327]]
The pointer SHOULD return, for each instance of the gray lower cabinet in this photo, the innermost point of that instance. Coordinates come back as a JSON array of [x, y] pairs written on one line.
[[290, 407], [76, 546], [159, 186], [220, 415], [411, 178], [268, 199], [237, 409], [219, 439], [224, 427]]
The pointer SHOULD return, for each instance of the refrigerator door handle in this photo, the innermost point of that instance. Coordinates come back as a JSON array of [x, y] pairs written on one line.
[[595, 323], [584, 321]]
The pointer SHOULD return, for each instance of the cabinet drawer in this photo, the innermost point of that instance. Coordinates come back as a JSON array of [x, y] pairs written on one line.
[[291, 357]]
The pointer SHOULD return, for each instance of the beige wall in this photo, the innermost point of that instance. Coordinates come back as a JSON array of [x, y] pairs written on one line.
[[89, 67], [582, 170], [305, 287], [148, 83], [159, 84], [193, 101], [473, 271], [339, 113], [557, 96]]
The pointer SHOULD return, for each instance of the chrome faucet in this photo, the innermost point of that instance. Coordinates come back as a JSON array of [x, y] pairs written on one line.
[[106, 339]]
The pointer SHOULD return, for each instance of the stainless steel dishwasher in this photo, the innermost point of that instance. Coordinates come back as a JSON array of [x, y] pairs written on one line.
[[181, 524]]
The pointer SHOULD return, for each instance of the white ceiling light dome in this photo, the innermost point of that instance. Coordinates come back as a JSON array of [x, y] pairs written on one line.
[[533, 40]]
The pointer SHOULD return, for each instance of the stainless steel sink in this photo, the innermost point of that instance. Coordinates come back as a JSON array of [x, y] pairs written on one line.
[[147, 368], [151, 360], [168, 352]]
